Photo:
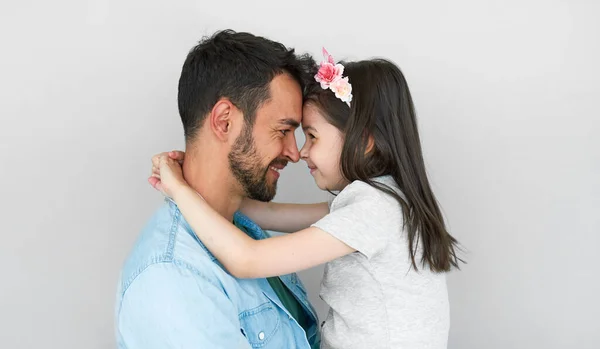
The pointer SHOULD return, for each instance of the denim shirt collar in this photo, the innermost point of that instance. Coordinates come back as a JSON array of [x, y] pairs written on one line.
[[256, 232], [239, 219]]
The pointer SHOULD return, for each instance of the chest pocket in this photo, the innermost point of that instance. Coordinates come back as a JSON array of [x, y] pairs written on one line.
[[261, 325]]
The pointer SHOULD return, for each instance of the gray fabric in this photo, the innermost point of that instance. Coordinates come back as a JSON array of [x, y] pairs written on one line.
[[376, 299]]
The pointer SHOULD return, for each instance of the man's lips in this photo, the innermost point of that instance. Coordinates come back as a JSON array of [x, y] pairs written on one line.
[[278, 165]]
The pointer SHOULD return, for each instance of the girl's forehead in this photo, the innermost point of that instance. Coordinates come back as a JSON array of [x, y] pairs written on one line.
[[311, 114], [306, 126]]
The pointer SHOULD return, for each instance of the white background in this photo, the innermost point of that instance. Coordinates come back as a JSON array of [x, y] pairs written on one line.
[[506, 94]]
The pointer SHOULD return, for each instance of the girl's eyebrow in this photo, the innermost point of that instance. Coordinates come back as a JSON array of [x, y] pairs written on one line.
[[306, 128]]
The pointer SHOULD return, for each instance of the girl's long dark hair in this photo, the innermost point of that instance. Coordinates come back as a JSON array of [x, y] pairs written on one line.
[[382, 113]]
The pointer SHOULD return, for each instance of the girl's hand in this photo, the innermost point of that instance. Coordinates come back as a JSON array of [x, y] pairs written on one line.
[[167, 174], [175, 155]]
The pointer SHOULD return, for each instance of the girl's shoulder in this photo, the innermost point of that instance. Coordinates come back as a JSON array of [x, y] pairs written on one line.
[[359, 191]]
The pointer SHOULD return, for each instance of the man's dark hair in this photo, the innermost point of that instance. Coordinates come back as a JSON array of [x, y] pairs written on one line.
[[237, 66]]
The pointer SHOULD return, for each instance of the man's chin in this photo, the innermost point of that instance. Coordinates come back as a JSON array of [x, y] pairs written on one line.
[[269, 196], [262, 198], [266, 194]]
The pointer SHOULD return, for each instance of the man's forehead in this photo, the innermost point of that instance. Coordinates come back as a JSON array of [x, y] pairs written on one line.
[[271, 115], [284, 105]]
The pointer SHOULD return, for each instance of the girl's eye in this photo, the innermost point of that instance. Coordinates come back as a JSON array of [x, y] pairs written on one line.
[[311, 136]]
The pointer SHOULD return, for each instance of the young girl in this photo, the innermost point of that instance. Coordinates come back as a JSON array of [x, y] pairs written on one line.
[[384, 239]]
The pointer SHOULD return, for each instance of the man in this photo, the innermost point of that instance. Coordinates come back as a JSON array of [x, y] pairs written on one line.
[[240, 100]]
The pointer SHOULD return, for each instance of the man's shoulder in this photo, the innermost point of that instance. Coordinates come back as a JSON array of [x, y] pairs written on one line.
[[248, 226], [166, 241]]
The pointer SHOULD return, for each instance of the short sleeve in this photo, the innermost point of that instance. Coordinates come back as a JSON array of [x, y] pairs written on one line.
[[361, 217]]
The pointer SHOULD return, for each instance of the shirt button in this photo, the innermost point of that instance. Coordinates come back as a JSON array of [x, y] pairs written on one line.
[[261, 336]]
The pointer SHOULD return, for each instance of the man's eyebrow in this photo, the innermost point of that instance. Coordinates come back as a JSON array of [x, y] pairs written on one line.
[[289, 122]]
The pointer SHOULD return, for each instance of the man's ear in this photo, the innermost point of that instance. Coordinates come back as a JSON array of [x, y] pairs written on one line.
[[221, 119]]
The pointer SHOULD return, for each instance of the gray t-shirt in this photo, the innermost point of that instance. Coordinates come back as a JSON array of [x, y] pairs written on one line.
[[376, 299]]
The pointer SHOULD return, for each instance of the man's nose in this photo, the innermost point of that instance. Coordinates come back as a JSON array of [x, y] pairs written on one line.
[[290, 149]]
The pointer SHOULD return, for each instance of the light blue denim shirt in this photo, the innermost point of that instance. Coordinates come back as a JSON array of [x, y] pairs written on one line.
[[173, 293]]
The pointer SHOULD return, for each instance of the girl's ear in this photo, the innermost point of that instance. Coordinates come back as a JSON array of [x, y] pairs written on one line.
[[370, 144]]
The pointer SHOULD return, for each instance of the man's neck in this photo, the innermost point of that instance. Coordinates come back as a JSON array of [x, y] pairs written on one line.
[[212, 179]]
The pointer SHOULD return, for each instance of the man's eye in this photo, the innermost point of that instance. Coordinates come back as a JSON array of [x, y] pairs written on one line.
[[284, 132]]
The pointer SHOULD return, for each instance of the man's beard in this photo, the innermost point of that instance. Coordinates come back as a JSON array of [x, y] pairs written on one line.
[[245, 164]]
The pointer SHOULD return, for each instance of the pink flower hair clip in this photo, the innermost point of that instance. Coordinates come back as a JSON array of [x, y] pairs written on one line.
[[330, 77]]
